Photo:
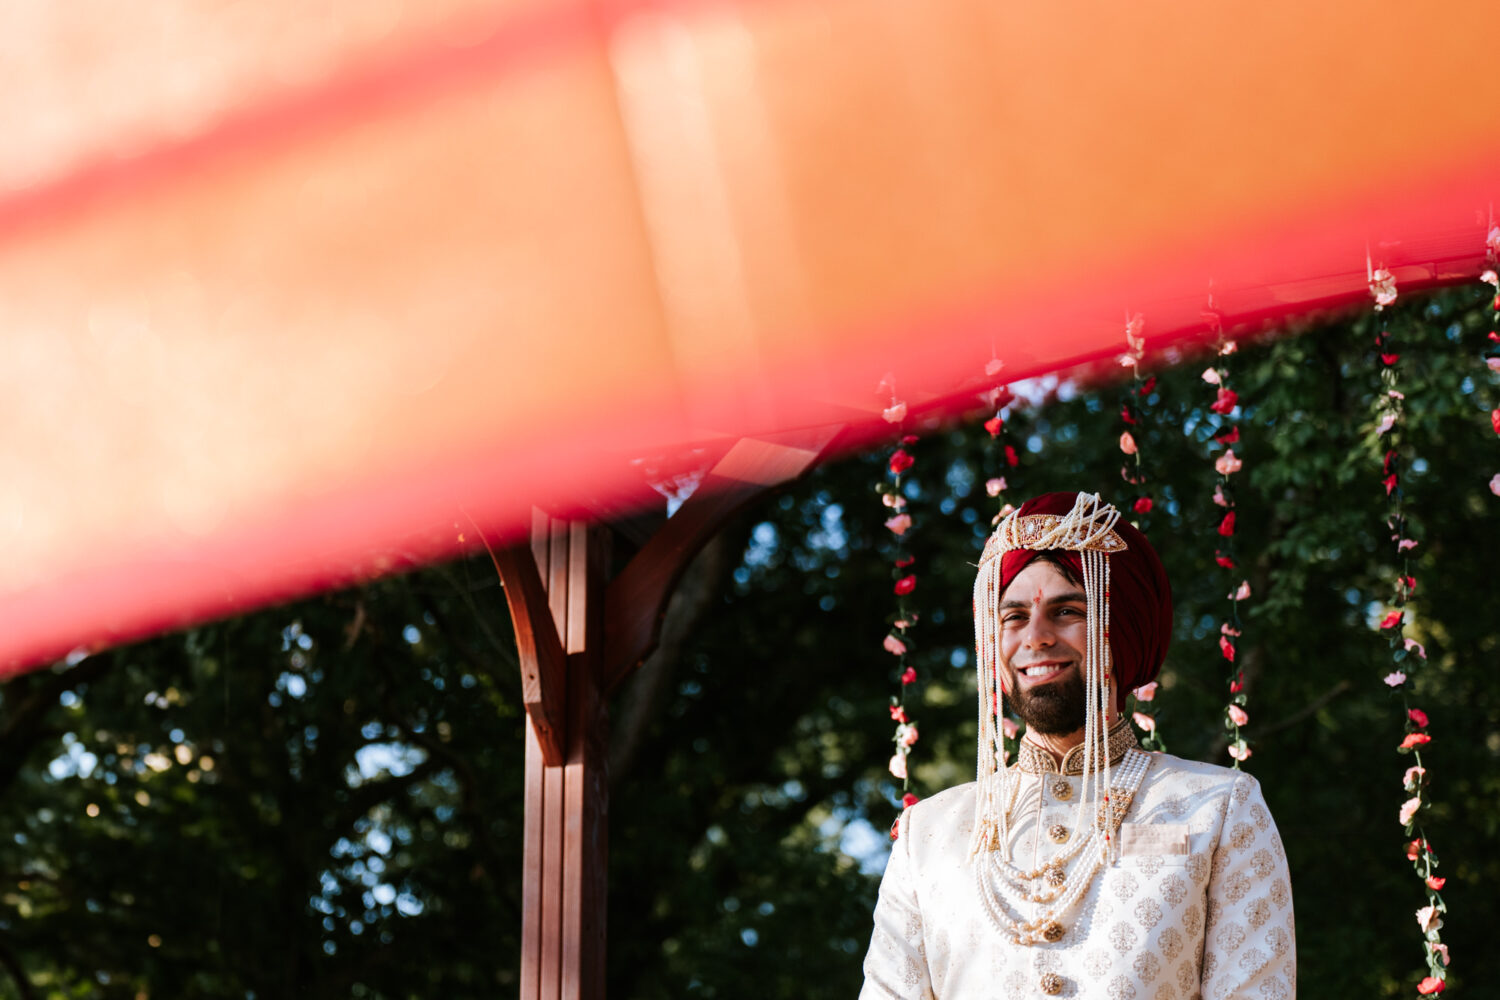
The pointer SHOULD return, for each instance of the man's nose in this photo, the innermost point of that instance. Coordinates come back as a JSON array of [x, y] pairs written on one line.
[[1039, 633]]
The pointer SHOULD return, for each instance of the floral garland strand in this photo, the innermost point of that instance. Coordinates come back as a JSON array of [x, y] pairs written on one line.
[[1407, 653], [999, 401], [1225, 406], [1492, 354], [897, 640], [1132, 411]]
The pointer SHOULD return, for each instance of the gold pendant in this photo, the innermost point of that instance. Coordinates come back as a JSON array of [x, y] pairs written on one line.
[[1051, 984]]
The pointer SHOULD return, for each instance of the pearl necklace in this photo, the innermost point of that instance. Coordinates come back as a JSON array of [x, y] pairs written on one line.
[[1005, 886]]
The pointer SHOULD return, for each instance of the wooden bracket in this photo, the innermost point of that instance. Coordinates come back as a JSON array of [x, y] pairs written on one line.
[[544, 663], [637, 598]]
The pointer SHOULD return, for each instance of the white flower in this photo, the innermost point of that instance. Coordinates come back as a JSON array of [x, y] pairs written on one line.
[[1408, 810], [1383, 287], [995, 487], [1386, 423], [1211, 376], [897, 766], [1428, 919], [895, 413], [1489, 278]]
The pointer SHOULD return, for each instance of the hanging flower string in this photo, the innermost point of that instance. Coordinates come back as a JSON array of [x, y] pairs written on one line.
[[1407, 653], [998, 403], [1132, 411], [897, 640], [1227, 434], [1492, 353]]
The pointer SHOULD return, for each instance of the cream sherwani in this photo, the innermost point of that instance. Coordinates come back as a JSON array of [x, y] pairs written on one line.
[[1198, 904]]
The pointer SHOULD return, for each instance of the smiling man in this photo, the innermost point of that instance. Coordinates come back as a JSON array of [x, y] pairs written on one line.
[[1087, 867]]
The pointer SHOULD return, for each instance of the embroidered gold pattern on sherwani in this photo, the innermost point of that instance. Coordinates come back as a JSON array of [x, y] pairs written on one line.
[[1197, 905]]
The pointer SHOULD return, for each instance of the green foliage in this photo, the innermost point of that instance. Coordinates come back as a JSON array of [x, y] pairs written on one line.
[[748, 827]]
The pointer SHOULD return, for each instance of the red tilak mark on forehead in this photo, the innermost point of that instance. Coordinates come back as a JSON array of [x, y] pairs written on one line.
[[1037, 600]]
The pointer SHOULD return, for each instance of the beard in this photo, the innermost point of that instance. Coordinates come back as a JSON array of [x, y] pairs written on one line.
[[1054, 709]]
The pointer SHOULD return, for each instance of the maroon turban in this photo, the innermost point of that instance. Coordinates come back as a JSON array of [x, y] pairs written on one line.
[[1140, 598]]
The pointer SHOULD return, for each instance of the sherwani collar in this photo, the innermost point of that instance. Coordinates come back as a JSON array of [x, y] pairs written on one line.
[[1032, 759]]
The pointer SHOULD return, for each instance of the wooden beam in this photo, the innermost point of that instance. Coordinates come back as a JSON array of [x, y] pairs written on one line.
[[543, 662], [637, 598]]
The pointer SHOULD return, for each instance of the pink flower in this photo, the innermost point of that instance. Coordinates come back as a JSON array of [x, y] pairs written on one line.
[[1127, 443], [1413, 645], [895, 413], [995, 487], [1228, 464], [909, 675], [1435, 884], [894, 646], [1227, 400], [1409, 543], [1226, 647], [1239, 751], [1219, 497], [1383, 287], [1414, 849], [1146, 692], [1409, 809], [908, 800], [897, 766], [1239, 716], [1211, 376], [901, 461], [1395, 679], [899, 524], [1490, 278], [1414, 740], [1494, 364], [906, 734], [1009, 727], [905, 585], [1418, 717], [893, 501], [1229, 347], [1242, 592], [1007, 510], [1431, 984], [898, 714], [1413, 778], [1386, 423], [1428, 919], [1227, 629], [993, 366], [1495, 484], [1146, 722]]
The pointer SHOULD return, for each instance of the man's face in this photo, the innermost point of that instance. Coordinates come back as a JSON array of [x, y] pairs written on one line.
[[1043, 636]]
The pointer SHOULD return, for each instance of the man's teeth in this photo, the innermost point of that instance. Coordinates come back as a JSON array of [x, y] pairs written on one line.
[[1039, 671]]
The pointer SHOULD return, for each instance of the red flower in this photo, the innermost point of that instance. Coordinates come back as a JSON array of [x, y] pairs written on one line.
[[896, 828], [1224, 561], [906, 585], [1010, 456], [909, 675], [1392, 620], [908, 800], [1414, 740], [1390, 483], [1414, 850], [1410, 583], [1230, 436], [910, 439], [1390, 457], [1003, 397], [994, 425], [1226, 526], [901, 461], [1226, 647], [1389, 359], [1125, 414], [1495, 420], [1237, 685], [1227, 401], [898, 714], [1418, 716], [905, 561], [1434, 883], [1432, 984], [1142, 506], [1147, 386]]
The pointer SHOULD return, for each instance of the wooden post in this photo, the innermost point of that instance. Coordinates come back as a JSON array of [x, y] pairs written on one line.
[[566, 847]]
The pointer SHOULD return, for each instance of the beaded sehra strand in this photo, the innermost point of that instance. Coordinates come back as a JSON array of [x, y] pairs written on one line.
[[1089, 530]]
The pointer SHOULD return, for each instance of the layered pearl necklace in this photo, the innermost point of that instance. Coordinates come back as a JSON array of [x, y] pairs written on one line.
[[1007, 888]]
